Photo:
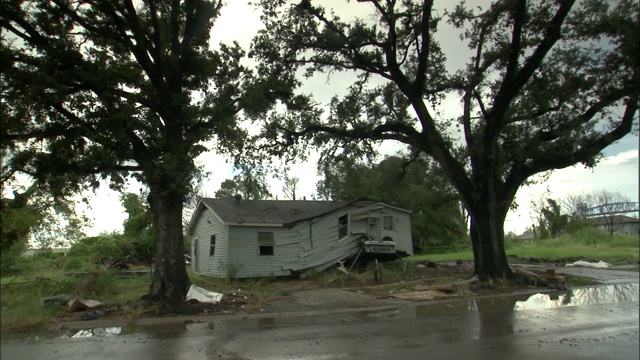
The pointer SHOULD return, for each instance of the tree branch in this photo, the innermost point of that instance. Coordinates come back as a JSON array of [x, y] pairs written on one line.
[[425, 49]]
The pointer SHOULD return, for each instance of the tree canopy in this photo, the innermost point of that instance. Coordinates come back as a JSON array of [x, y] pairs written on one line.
[[106, 89], [546, 85], [251, 185]]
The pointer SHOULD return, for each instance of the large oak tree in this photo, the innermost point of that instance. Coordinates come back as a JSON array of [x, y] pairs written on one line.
[[109, 89], [547, 84]]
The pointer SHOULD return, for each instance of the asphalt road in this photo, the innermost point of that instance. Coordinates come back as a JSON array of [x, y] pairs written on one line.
[[587, 323]]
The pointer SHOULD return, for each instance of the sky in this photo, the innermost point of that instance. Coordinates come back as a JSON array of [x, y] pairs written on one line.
[[616, 172]]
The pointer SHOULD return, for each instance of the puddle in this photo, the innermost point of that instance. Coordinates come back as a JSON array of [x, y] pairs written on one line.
[[606, 294], [489, 308]]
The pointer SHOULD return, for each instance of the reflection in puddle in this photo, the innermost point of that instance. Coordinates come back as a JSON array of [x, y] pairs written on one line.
[[98, 332], [488, 310], [606, 294]]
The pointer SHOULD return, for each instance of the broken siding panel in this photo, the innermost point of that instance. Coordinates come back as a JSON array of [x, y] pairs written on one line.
[[327, 255], [208, 225], [325, 248], [244, 256]]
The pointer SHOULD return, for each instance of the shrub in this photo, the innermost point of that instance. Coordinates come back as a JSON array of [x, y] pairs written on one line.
[[12, 260], [74, 263], [98, 248]]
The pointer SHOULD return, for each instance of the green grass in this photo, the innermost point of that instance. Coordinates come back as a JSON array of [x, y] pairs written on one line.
[[32, 279], [460, 255], [586, 245]]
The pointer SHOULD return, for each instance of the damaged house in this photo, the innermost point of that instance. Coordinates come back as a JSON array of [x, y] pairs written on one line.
[[237, 238]]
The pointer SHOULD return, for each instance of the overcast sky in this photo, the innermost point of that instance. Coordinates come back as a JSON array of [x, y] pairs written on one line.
[[618, 171]]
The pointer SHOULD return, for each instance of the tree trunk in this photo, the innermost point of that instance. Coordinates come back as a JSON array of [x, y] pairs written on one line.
[[170, 279], [487, 239]]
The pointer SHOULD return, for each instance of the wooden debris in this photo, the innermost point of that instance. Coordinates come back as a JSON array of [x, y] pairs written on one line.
[[449, 287], [527, 273], [121, 263], [76, 304], [424, 295]]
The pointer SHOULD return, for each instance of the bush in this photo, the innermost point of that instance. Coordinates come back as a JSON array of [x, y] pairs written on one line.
[[589, 236], [74, 263], [98, 248], [11, 260]]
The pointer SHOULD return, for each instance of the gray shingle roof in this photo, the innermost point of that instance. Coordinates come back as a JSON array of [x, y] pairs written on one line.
[[270, 211]]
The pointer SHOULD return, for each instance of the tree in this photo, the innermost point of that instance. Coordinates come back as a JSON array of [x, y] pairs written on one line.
[[547, 85], [419, 186], [109, 89], [551, 221], [610, 205], [575, 206], [138, 227], [290, 188], [250, 184], [32, 216]]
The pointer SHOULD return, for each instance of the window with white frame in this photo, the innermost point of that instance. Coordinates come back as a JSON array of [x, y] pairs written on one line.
[[265, 243]]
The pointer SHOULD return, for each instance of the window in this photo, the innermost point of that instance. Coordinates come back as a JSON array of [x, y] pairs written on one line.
[[388, 223], [343, 226], [265, 243], [212, 245]]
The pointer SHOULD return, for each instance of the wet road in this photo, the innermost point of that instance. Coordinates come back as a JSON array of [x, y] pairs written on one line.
[[588, 323]]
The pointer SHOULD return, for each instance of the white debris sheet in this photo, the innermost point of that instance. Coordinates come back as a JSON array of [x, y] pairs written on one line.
[[581, 263], [203, 295]]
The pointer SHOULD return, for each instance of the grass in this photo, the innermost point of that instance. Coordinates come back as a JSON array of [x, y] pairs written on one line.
[[35, 278], [585, 245], [21, 306]]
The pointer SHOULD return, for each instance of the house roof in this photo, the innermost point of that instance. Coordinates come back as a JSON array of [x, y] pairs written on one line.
[[613, 219], [231, 210]]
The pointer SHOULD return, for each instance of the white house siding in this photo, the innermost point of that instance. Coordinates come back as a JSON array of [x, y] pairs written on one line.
[[208, 224], [243, 250], [401, 233]]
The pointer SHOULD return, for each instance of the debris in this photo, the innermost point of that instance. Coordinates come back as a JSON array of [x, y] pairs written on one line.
[[527, 273], [449, 287], [56, 300], [92, 315], [526, 277], [203, 295], [76, 304], [342, 268], [121, 263], [377, 271], [423, 295], [599, 265]]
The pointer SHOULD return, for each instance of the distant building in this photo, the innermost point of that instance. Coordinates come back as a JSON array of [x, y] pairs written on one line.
[[617, 224], [31, 252], [526, 236]]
